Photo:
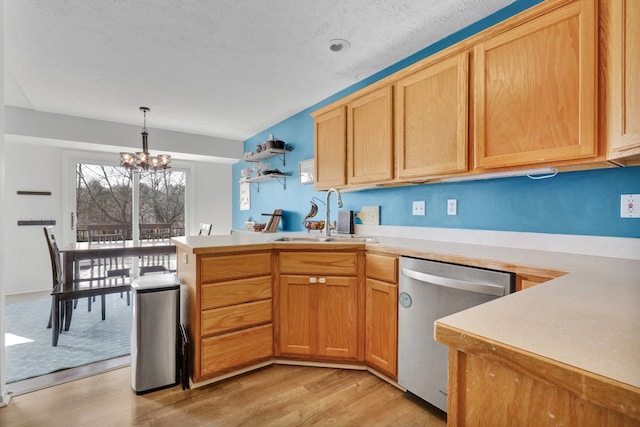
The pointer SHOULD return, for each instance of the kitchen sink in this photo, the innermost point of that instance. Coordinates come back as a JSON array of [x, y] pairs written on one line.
[[329, 239]]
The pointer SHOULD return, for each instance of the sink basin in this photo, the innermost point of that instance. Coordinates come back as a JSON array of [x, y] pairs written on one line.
[[330, 239], [300, 239]]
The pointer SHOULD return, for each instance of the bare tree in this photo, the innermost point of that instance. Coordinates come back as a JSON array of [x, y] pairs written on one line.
[[104, 196]]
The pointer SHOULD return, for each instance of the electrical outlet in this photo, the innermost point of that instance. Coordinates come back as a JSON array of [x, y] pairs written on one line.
[[419, 207], [452, 207], [630, 206]]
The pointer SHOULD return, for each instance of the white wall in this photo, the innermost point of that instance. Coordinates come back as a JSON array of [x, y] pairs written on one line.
[[212, 200], [35, 167], [4, 398], [27, 259]]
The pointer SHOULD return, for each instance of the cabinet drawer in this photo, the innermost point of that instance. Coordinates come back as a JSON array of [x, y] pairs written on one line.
[[224, 353], [223, 294], [230, 267], [325, 263], [235, 317], [382, 267]]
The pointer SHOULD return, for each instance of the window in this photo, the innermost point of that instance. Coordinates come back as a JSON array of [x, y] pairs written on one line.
[[104, 195]]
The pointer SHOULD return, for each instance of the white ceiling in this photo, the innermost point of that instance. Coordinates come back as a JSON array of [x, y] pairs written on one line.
[[226, 68]]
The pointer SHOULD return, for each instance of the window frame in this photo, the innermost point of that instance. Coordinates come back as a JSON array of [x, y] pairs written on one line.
[[72, 158]]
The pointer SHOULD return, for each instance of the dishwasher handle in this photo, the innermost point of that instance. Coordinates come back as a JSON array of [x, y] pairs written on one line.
[[447, 282]]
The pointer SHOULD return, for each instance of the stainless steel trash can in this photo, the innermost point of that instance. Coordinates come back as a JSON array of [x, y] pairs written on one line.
[[154, 332]]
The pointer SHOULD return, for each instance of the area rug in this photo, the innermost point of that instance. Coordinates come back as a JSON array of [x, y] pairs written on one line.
[[28, 348]]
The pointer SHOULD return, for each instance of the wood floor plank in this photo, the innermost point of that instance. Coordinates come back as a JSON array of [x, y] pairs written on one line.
[[279, 395]]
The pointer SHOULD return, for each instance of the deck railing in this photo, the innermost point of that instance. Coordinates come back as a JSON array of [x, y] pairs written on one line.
[[83, 236]]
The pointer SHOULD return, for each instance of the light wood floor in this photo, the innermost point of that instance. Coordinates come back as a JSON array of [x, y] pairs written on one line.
[[278, 395]]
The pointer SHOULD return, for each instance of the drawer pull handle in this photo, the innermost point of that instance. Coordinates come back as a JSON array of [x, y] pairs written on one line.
[[322, 280], [312, 280]]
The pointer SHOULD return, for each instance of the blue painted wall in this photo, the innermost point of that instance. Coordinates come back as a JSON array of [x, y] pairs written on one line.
[[583, 203]]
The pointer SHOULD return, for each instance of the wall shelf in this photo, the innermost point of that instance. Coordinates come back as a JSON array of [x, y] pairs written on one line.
[[267, 154], [282, 178]]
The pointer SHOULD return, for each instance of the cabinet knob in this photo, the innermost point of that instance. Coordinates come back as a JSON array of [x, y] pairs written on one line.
[[322, 280], [312, 280]]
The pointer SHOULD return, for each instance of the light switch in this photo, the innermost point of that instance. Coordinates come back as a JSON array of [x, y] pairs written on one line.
[[419, 207]]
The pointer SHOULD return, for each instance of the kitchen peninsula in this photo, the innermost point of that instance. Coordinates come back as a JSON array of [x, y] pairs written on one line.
[[575, 334]]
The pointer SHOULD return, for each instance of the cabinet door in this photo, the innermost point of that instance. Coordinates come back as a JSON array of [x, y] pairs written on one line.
[[622, 77], [230, 352], [535, 90], [337, 317], [431, 119], [298, 315], [381, 344], [330, 149], [370, 137]]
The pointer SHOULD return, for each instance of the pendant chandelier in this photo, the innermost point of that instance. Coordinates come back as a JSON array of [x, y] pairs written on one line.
[[141, 160]]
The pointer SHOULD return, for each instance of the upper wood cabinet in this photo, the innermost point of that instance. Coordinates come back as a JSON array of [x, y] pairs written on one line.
[[432, 119], [370, 137], [620, 94], [330, 149], [535, 90]]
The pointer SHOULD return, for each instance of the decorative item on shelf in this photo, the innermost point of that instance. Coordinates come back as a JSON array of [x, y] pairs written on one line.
[[259, 167], [273, 143], [246, 173], [259, 226], [141, 160]]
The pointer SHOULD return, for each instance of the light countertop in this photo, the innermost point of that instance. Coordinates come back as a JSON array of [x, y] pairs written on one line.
[[588, 318]]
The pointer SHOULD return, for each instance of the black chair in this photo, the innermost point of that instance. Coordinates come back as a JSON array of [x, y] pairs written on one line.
[[112, 268], [62, 296], [155, 232], [205, 229], [56, 273]]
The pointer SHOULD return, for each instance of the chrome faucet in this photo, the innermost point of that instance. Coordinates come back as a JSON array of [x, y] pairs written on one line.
[[327, 226]]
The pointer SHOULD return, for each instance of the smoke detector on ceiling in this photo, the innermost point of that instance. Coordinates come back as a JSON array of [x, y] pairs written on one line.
[[339, 45]]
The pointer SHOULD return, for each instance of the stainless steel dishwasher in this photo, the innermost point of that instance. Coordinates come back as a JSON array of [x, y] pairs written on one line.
[[430, 290]]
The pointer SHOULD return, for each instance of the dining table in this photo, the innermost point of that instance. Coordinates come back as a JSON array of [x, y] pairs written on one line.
[[73, 285]]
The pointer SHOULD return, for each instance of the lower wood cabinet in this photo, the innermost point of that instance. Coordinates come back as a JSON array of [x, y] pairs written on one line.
[[493, 384], [381, 344], [230, 310], [318, 311], [318, 316], [381, 313], [227, 352]]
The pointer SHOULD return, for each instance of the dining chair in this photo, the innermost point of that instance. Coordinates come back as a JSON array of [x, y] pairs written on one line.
[[56, 273], [108, 269], [62, 296], [155, 232], [205, 229]]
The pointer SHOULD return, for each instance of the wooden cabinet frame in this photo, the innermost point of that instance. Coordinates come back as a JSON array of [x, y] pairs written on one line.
[[370, 137], [432, 116], [330, 145], [522, 116], [620, 79], [589, 125]]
